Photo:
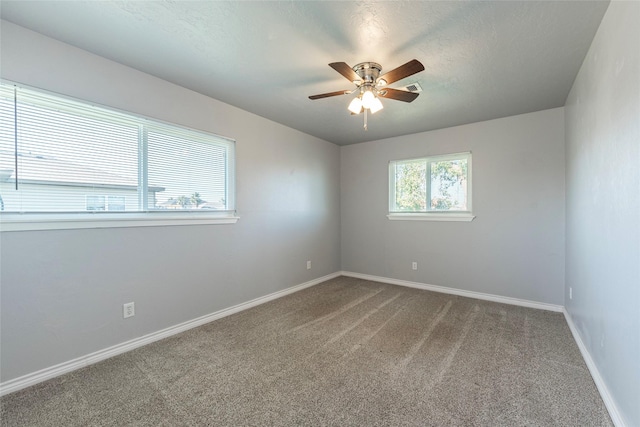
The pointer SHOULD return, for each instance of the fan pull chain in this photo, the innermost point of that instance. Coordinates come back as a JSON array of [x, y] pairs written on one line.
[[365, 119]]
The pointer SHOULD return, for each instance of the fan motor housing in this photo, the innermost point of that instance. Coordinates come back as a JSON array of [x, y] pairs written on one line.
[[369, 71]]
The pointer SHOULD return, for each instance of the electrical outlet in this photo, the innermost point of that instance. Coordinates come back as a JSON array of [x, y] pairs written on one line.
[[414, 265], [570, 293], [128, 310], [308, 265]]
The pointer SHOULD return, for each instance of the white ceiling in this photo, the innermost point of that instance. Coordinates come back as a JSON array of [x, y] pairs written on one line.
[[483, 60]]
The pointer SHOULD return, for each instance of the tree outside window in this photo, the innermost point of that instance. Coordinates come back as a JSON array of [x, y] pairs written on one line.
[[438, 183]]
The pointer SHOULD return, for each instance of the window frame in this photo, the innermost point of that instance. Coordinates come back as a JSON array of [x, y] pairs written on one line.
[[431, 215], [27, 221]]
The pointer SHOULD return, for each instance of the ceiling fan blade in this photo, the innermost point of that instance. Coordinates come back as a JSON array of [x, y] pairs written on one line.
[[406, 70], [344, 69], [327, 95], [399, 95]]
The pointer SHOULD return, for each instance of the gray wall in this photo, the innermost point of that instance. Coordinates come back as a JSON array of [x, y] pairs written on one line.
[[603, 204], [515, 245], [62, 291], [299, 198]]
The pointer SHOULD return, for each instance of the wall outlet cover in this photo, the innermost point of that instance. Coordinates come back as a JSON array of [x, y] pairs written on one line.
[[128, 310]]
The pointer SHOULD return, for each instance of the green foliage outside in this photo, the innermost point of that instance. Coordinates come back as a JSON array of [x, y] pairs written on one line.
[[186, 202], [446, 178], [447, 174], [411, 186]]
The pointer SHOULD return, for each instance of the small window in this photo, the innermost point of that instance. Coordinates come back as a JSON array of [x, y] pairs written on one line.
[[96, 203], [62, 156], [116, 203], [437, 187], [105, 203]]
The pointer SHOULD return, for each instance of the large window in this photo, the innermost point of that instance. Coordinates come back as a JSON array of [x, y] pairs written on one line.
[[66, 157], [437, 187]]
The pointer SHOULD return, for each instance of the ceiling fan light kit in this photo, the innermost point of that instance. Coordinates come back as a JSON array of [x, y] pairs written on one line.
[[370, 85], [376, 105], [356, 105]]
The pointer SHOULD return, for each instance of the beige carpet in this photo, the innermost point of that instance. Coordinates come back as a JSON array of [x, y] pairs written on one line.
[[345, 352]]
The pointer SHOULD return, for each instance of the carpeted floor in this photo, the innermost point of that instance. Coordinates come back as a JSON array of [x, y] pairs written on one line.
[[345, 352]]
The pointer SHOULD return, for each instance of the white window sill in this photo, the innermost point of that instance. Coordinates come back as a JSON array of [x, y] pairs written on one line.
[[66, 221], [466, 217]]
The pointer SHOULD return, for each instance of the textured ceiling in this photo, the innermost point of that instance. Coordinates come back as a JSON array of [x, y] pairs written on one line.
[[483, 60]]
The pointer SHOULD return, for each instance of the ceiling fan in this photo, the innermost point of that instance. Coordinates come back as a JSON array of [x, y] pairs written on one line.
[[370, 85]]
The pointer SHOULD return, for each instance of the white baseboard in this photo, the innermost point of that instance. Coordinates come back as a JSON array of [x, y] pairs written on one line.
[[460, 292], [612, 408], [89, 359], [80, 362]]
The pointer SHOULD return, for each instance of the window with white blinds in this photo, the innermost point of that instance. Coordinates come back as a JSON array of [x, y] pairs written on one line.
[[59, 155]]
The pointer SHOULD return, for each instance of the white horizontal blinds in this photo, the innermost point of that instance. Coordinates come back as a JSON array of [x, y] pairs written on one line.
[[7, 146], [75, 157], [187, 170], [70, 155]]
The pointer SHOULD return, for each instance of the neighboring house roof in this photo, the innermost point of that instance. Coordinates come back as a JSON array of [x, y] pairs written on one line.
[[48, 170]]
